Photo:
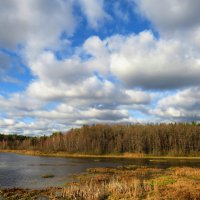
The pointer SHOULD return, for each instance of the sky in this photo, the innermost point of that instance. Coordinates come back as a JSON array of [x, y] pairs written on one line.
[[66, 63]]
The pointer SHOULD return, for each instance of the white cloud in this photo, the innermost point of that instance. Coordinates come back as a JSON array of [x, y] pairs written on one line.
[[67, 92], [6, 122], [183, 105], [100, 59], [90, 92], [73, 78], [37, 23], [177, 20], [39, 127], [103, 80], [47, 68], [144, 61], [88, 101], [62, 117], [171, 17], [94, 12]]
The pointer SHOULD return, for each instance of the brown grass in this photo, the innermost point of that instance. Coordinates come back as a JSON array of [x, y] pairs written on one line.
[[139, 183], [76, 155], [187, 171]]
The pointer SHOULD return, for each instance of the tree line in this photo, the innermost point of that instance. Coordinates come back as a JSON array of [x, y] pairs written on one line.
[[160, 139]]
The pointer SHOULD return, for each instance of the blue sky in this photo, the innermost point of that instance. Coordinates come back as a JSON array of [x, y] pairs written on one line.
[[65, 63]]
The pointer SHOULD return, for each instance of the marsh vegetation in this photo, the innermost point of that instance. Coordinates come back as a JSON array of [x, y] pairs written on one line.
[[126, 182]]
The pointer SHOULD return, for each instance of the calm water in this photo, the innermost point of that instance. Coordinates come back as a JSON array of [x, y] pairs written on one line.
[[26, 171]]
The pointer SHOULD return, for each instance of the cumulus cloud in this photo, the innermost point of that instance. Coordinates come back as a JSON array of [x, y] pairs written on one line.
[[180, 21], [94, 11], [89, 92], [72, 114], [19, 104], [171, 16], [181, 106], [47, 68], [62, 117], [144, 61], [36, 128], [33, 20], [103, 79], [100, 57], [91, 100]]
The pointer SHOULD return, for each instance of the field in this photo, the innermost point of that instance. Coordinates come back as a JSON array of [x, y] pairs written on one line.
[[126, 182]]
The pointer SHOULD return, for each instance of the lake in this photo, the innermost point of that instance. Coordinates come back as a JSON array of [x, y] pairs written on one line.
[[25, 171]]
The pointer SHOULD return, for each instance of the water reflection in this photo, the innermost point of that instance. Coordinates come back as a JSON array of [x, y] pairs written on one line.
[[26, 171]]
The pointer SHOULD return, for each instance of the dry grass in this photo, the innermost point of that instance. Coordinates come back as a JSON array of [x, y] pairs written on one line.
[[123, 183], [25, 194], [187, 171], [78, 155], [135, 183]]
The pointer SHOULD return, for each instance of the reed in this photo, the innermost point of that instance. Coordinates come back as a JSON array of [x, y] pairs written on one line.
[[135, 183]]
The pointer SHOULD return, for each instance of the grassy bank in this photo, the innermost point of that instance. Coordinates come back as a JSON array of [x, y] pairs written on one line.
[[67, 155], [119, 183]]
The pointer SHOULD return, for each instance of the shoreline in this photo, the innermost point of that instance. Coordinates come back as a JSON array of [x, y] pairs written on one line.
[[75, 155]]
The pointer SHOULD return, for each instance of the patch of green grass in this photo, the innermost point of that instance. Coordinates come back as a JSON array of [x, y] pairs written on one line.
[[162, 181]]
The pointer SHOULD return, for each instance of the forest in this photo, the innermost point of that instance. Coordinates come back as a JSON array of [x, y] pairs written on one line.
[[182, 139]]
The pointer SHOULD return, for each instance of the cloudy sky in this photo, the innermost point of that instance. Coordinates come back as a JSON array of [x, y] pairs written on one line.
[[65, 63]]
